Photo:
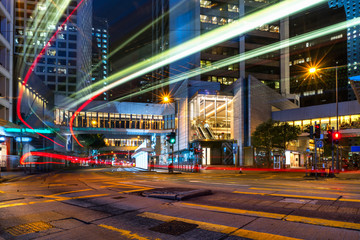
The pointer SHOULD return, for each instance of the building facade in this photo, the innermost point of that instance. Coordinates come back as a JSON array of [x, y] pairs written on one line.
[[324, 54], [6, 75], [100, 50], [66, 63], [188, 20]]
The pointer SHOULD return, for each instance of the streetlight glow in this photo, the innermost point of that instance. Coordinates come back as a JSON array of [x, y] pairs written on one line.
[[312, 70]]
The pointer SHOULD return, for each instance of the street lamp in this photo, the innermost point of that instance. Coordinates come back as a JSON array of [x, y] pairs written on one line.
[[313, 70]]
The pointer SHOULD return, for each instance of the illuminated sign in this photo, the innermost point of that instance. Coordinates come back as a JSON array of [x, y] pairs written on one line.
[[23, 139], [2, 139], [27, 130]]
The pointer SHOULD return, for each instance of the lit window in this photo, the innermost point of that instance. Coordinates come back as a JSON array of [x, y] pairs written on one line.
[[205, 19], [233, 8], [104, 46], [214, 20], [104, 51], [104, 35], [205, 4], [51, 52], [99, 45], [61, 70], [222, 21]]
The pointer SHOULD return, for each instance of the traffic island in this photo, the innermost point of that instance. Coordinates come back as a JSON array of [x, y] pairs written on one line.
[[175, 193]]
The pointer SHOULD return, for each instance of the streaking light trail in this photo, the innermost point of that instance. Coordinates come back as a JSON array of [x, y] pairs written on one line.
[[250, 54], [221, 34], [122, 45], [31, 69], [241, 26], [50, 155]]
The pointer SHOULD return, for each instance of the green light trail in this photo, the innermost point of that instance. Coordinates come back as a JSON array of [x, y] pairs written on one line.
[[122, 45], [226, 32], [251, 54], [44, 8]]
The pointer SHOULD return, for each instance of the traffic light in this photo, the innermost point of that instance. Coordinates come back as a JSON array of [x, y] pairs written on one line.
[[330, 136], [317, 131], [336, 137], [171, 138]]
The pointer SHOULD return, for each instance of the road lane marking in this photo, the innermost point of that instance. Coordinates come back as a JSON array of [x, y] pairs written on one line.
[[138, 188], [300, 196], [218, 228], [125, 233], [290, 218], [292, 190], [59, 199], [237, 211], [75, 191]]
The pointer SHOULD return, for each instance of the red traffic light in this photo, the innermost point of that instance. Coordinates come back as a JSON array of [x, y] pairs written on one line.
[[337, 136]]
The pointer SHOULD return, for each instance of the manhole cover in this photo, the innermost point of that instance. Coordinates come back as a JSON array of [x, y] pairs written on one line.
[[175, 228], [28, 228]]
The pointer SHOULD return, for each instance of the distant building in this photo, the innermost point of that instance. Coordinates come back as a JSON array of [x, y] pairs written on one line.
[[100, 50], [324, 53], [66, 63]]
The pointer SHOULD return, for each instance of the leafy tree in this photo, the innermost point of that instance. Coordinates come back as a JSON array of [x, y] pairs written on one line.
[[272, 135], [263, 137], [284, 134]]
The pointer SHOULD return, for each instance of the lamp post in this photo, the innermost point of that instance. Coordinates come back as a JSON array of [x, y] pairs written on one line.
[[313, 70]]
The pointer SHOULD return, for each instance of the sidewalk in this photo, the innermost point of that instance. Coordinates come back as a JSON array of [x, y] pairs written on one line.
[[6, 176]]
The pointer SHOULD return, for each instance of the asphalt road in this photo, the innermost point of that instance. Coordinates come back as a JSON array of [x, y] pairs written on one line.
[[108, 204]]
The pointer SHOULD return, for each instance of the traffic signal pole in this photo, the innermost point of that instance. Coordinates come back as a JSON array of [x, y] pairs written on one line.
[[332, 153]]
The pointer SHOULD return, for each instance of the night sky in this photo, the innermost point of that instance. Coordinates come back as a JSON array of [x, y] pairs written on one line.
[[124, 16]]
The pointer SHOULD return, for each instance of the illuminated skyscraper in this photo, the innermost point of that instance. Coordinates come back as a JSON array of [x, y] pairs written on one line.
[[66, 63], [100, 51]]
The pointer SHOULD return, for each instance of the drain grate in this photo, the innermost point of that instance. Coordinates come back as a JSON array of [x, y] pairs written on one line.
[[175, 228], [28, 228]]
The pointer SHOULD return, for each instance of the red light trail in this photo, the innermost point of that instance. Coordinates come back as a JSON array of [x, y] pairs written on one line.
[[31, 69], [76, 113], [50, 155]]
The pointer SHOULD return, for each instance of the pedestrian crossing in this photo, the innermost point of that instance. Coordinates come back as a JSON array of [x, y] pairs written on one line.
[[129, 169]]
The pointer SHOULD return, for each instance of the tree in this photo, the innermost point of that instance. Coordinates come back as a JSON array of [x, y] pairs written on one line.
[[263, 137], [272, 135], [284, 134]]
